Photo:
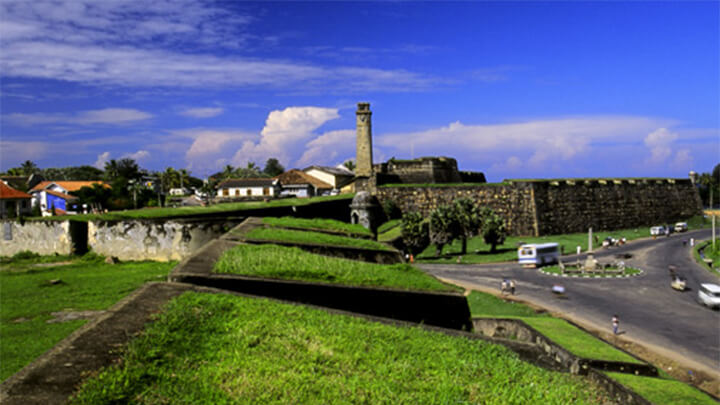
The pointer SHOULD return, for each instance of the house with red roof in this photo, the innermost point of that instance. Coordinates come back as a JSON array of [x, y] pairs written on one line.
[[14, 203], [55, 195]]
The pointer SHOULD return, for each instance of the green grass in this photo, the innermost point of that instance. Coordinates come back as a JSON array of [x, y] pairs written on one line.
[[27, 301], [293, 236], [317, 224], [577, 341], [709, 254], [629, 271], [561, 332], [479, 251], [148, 213], [279, 353], [281, 262], [390, 232], [663, 391], [393, 223], [489, 306]]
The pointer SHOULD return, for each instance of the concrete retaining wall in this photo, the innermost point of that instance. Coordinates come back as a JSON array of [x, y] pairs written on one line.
[[152, 240], [44, 238]]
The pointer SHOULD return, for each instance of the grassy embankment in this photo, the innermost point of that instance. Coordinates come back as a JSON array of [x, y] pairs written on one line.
[[279, 353], [661, 390], [149, 213], [479, 252], [294, 236], [390, 230], [317, 224], [274, 261], [28, 299], [708, 253]]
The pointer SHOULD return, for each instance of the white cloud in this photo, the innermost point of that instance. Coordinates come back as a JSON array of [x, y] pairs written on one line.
[[329, 148], [109, 116], [542, 141], [171, 43], [683, 160], [202, 112], [138, 156], [660, 144], [101, 160], [285, 134]]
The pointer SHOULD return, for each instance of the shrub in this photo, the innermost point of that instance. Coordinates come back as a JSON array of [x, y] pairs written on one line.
[[444, 227], [414, 232]]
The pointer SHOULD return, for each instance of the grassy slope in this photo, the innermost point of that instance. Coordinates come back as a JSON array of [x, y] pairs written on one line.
[[279, 353], [571, 338], [321, 224], [87, 285], [294, 264], [293, 236], [148, 213], [662, 391]]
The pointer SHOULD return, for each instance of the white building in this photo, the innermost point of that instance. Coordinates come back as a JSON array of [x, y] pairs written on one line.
[[248, 188], [335, 176]]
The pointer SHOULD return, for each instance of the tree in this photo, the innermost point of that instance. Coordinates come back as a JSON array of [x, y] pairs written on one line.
[[493, 228], [273, 167], [414, 232], [96, 195], [28, 168], [708, 183], [349, 164], [207, 190], [469, 220], [443, 227], [135, 187], [111, 170], [228, 172]]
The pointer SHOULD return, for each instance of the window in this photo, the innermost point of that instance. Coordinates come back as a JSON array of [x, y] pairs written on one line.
[[237, 192], [226, 192], [266, 191], [249, 191]]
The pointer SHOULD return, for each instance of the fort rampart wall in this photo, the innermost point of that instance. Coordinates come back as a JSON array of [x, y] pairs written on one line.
[[547, 207]]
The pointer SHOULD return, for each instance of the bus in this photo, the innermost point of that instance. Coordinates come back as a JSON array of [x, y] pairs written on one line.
[[533, 255]]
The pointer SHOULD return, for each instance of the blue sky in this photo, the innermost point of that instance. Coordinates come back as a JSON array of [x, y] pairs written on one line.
[[513, 89]]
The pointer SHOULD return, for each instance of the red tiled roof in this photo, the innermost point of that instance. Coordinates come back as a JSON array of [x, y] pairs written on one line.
[[294, 176], [247, 182], [7, 192], [69, 185]]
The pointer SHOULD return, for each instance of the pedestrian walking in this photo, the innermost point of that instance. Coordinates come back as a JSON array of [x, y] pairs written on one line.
[[512, 287], [503, 286], [615, 324]]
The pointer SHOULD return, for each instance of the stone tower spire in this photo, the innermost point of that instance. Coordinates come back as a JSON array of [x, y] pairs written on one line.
[[364, 158]]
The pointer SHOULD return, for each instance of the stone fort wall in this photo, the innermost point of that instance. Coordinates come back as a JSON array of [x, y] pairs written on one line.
[[548, 207]]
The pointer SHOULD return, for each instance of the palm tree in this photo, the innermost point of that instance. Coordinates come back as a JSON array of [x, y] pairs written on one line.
[[708, 181], [135, 187], [349, 164], [111, 170], [184, 177], [228, 172], [28, 168]]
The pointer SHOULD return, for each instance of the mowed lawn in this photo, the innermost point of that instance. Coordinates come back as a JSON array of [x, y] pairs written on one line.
[[27, 300], [272, 261], [222, 349]]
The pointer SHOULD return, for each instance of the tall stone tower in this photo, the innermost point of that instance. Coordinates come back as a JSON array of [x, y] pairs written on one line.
[[364, 158]]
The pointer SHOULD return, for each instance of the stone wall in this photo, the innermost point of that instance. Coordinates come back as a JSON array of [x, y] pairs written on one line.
[[512, 202], [152, 240], [551, 207], [41, 237], [567, 206]]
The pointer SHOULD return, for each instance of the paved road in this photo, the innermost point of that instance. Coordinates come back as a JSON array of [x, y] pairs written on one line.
[[651, 313]]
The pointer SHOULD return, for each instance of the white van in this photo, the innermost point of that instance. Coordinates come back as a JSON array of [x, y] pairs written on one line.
[[657, 230], [681, 227], [709, 295]]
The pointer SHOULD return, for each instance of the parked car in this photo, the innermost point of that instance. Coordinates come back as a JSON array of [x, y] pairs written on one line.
[[657, 230], [709, 295], [681, 227]]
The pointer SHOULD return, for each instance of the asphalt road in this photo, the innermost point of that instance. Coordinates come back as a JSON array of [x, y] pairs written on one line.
[[651, 312]]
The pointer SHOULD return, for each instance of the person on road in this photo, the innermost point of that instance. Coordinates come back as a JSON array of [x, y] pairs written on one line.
[[615, 324], [512, 287]]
